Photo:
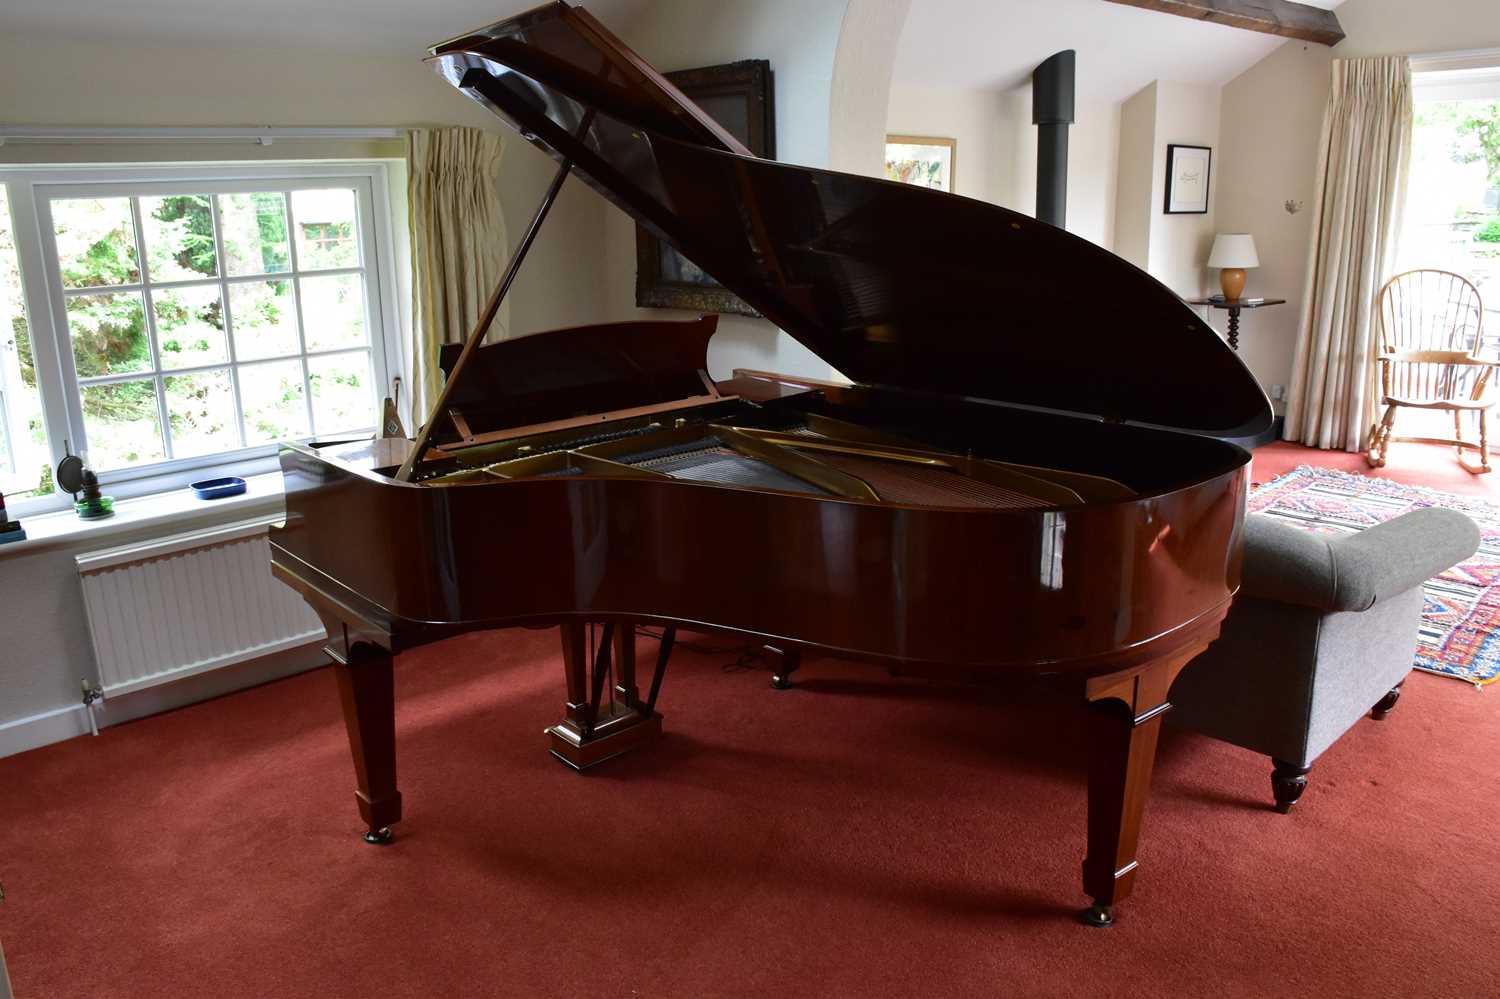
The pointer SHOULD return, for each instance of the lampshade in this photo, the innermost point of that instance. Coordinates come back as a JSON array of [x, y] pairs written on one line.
[[1233, 249]]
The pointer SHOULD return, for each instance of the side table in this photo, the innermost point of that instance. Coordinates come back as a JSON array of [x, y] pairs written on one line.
[[1233, 307]]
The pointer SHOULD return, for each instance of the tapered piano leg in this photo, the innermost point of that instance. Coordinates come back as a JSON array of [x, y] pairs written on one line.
[[367, 692], [785, 660], [1125, 714]]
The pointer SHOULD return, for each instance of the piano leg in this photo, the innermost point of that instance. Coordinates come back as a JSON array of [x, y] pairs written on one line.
[[1125, 713], [367, 692], [784, 662]]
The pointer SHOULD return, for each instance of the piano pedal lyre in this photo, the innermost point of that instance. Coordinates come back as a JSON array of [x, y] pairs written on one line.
[[592, 732]]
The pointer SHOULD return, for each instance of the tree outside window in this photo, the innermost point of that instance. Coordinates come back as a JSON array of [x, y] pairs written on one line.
[[1453, 201], [193, 355], [177, 320], [25, 459]]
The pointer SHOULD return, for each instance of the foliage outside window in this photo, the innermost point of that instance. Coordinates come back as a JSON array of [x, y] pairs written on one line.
[[197, 324], [25, 459], [1453, 201]]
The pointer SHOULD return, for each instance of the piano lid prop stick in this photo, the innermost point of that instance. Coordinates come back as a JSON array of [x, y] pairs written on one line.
[[439, 408]]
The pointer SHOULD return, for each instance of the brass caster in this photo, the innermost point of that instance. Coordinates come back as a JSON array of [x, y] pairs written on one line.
[[1101, 916], [379, 837]]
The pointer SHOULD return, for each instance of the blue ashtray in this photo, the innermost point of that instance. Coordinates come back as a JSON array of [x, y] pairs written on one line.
[[207, 489]]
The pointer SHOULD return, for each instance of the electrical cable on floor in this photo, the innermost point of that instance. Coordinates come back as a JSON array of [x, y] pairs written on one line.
[[748, 657]]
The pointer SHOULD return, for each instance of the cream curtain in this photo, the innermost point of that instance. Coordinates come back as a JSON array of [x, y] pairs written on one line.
[[458, 244], [1362, 170]]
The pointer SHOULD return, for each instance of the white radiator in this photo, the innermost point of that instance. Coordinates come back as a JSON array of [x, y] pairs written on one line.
[[168, 608]]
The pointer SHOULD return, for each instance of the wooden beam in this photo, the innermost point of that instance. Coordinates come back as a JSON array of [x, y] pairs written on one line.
[[1272, 17]]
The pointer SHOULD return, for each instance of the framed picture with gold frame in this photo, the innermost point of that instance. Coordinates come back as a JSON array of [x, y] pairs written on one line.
[[740, 97], [922, 160]]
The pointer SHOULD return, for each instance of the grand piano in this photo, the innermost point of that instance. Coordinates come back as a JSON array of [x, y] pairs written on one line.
[[1011, 482]]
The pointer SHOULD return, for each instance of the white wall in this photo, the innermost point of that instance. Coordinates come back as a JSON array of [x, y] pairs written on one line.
[[1186, 114], [1093, 171], [977, 119], [49, 80], [1390, 27], [860, 95], [1136, 174], [1172, 248], [1273, 117], [997, 149], [800, 38]]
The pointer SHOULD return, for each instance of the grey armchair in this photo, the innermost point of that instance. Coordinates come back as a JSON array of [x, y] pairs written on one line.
[[1324, 628]]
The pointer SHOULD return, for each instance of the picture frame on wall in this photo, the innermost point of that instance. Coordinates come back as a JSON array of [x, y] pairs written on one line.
[[740, 96], [922, 160], [1188, 175]]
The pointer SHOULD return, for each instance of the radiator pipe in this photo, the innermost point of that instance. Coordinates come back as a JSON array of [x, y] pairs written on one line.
[[1052, 113]]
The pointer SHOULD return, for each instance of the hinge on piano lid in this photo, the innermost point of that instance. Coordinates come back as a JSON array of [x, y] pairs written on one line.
[[1111, 418]]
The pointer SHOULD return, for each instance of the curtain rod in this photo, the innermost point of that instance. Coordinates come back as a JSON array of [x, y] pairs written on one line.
[[262, 136]]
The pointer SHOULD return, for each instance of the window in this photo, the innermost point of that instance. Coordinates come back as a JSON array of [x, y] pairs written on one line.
[[197, 318], [25, 460], [1453, 202]]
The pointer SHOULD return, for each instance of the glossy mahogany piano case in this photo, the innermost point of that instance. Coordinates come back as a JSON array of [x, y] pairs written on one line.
[[1004, 483]]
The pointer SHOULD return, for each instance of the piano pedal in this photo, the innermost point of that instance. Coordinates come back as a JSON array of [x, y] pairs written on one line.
[[624, 729]]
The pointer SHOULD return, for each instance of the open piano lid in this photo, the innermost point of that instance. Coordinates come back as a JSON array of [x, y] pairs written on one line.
[[893, 285]]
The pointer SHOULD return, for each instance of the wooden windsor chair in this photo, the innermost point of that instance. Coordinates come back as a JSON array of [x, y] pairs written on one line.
[[1431, 335]]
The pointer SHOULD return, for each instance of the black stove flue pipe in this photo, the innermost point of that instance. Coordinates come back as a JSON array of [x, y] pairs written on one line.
[[1052, 113]]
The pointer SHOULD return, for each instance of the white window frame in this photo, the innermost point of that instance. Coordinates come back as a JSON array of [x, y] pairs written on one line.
[[1460, 76], [30, 190], [10, 428]]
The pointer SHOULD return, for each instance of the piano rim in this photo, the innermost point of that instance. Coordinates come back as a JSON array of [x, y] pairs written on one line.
[[1243, 459], [397, 633]]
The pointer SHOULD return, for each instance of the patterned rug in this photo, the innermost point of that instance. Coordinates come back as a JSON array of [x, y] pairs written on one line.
[[1460, 634]]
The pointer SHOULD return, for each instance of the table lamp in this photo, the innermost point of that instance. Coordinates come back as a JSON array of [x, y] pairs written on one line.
[[1232, 253]]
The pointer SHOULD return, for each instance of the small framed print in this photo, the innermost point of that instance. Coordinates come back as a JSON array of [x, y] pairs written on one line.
[[923, 160], [1187, 179]]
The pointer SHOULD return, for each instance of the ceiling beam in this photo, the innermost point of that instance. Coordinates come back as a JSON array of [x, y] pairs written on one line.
[[1272, 17]]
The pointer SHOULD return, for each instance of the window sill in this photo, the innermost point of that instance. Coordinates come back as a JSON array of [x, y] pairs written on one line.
[[167, 513]]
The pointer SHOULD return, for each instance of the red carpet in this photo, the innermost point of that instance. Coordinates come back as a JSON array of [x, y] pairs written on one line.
[[861, 836], [1427, 465]]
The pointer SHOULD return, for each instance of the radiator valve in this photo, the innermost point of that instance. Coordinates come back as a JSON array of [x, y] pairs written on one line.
[[93, 693]]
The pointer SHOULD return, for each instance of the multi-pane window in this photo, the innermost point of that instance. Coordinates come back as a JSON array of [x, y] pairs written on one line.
[[205, 323], [24, 456], [196, 320], [1452, 219]]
